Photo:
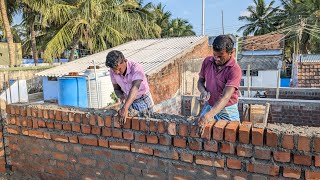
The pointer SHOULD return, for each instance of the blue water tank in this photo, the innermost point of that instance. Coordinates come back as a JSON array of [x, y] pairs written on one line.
[[73, 92]]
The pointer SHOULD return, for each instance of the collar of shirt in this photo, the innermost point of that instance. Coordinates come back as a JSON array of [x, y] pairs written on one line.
[[230, 63]]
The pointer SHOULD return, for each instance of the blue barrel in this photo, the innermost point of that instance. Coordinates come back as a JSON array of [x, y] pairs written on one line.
[[285, 82], [73, 92]]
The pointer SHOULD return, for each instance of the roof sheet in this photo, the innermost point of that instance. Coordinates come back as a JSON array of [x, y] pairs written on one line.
[[263, 42], [151, 53], [260, 62], [310, 58]]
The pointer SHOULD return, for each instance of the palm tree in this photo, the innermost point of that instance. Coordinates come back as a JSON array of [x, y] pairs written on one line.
[[162, 17], [261, 19], [8, 33], [178, 27]]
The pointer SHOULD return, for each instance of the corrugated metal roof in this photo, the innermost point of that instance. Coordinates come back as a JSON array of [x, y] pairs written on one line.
[[310, 58], [260, 62], [151, 53], [262, 52]]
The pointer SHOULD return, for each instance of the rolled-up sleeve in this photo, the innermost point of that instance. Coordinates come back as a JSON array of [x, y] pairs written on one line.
[[234, 77]]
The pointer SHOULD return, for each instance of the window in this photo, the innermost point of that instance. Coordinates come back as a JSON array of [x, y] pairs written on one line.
[[242, 82], [52, 79], [252, 73]]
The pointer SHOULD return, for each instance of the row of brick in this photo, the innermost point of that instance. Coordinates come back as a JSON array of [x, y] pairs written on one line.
[[186, 156]]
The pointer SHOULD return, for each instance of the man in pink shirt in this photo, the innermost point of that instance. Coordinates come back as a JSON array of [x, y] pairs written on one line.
[[219, 81], [130, 85]]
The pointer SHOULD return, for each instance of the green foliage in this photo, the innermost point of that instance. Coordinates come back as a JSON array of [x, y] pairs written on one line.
[[114, 97]]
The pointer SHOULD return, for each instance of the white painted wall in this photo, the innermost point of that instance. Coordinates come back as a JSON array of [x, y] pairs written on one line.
[[18, 92], [264, 79]]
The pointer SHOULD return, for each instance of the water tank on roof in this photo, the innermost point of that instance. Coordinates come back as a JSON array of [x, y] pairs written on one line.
[[73, 91], [99, 89]]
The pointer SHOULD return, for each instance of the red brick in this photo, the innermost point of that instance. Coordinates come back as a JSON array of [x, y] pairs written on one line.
[[172, 129], [195, 144], [231, 131], [140, 137], [73, 139], [194, 131], [75, 127], [165, 140], [40, 115], [281, 156], [272, 139], [41, 123], [52, 114], [209, 161], [302, 159], [304, 143], [117, 133], [153, 126], [28, 110], [107, 121], [34, 111], [12, 120], [116, 123], [106, 132], [100, 121], [85, 118], [65, 116], [143, 125], [267, 169], [287, 141], [291, 173], [87, 161], [208, 130], [223, 174], [57, 137], [103, 142], [257, 136], [128, 135], [233, 163], [166, 154], [119, 145], [13, 130], [127, 124], [58, 125], [218, 129], [316, 144], [60, 156], [49, 124], [71, 116], [211, 146], [312, 175], [244, 132], [244, 151], [24, 122], [317, 161], [183, 130], [88, 140], [152, 139], [66, 127], [227, 148], [179, 142], [35, 133], [141, 149], [23, 111], [29, 122], [237, 175], [92, 120], [262, 153], [18, 121], [45, 113], [35, 123], [162, 127], [135, 124], [186, 157], [86, 129], [58, 115], [96, 130]]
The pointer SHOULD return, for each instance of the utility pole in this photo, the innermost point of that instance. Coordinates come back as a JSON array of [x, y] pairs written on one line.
[[202, 17], [222, 22]]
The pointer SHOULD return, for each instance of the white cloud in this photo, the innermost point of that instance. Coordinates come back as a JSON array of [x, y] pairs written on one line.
[[245, 13]]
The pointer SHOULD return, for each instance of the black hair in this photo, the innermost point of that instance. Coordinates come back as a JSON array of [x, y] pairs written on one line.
[[114, 57], [223, 42]]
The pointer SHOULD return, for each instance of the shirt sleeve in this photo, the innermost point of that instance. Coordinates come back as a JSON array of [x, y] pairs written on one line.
[[113, 80], [234, 77], [138, 73]]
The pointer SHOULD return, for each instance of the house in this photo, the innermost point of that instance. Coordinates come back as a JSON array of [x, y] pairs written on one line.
[[161, 59], [264, 54], [306, 71]]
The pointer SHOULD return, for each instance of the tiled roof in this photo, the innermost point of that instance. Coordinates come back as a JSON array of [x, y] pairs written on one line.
[[151, 53], [263, 42], [260, 62], [314, 58]]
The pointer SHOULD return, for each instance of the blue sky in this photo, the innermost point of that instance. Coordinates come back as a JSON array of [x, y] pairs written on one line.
[[192, 11]]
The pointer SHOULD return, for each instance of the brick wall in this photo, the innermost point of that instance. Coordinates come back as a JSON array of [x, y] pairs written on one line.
[[62, 144], [165, 83], [296, 112], [295, 93], [309, 75]]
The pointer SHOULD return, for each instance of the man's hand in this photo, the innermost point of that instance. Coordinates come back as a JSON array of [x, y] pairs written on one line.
[[203, 121], [204, 96], [123, 114]]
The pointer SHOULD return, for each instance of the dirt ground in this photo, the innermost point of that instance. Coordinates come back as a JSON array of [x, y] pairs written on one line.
[[16, 176]]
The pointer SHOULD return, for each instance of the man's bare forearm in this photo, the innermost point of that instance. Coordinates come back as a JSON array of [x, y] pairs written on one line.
[[133, 93], [222, 102], [201, 86], [119, 93]]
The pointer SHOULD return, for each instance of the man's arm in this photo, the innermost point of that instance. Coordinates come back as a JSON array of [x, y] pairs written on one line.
[[118, 91], [222, 102], [201, 86]]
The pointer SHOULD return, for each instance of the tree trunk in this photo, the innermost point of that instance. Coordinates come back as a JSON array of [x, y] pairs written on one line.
[[8, 33], [33, 44], [73, 49]]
